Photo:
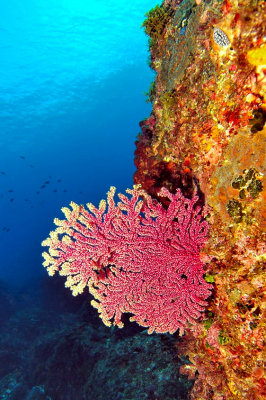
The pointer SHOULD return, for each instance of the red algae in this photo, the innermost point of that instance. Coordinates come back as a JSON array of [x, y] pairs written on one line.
[[206, 136]]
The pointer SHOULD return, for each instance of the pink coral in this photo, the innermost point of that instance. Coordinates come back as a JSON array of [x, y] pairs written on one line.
[[136, 257]]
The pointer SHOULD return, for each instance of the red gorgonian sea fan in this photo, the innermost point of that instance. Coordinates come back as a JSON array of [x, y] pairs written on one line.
[[135, 257]]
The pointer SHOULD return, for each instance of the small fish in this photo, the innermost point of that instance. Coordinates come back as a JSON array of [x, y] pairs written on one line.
[[38, 192], [11, 200], [3, 172], [42, 187], [10, 191], [59, 180], [220, 37], [22, 157], [46, 182], [55, 190]]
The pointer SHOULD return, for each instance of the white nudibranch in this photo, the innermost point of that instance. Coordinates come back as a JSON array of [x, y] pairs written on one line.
[[220, 37]]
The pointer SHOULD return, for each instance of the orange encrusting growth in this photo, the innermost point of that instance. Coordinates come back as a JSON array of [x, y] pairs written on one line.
[[206, 135]]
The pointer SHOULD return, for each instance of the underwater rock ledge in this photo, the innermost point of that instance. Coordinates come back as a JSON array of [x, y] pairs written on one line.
[[206, 136]]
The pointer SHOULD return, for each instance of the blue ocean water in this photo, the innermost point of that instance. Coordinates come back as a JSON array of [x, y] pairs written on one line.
[[72, 77]]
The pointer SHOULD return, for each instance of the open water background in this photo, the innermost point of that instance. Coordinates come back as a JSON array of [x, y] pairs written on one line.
[[72, 78]]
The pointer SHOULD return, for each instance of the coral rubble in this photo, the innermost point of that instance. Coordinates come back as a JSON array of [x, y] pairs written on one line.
[[206, 136]]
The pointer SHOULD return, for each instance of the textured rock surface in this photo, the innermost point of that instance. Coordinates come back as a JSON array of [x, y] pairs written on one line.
[[206, 135]]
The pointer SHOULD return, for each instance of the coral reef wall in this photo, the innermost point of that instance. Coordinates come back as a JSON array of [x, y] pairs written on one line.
[[206, 136]]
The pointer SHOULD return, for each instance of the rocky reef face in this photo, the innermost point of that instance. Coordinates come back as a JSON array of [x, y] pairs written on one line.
[[206, 136]]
